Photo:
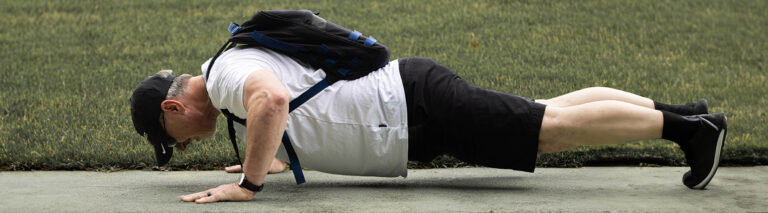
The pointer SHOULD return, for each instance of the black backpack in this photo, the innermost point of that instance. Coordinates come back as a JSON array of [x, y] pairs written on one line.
[[342, 53], [301, 34]]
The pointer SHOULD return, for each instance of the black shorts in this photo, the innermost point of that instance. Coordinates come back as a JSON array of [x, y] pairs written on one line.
[[447, 115]]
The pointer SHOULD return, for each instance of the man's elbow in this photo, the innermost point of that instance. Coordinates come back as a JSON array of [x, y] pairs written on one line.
[[279, 99], [275, 101], [272, 101]]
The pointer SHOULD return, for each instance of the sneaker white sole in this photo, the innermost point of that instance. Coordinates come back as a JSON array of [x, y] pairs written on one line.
[[720, 140]]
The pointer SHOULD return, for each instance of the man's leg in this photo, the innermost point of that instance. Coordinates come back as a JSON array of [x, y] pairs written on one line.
[[593, 94], [597, 122], [701, 137]]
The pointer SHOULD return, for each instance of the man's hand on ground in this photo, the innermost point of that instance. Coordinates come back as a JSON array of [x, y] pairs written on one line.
[[226, 192], [234, 169], [278, 166]]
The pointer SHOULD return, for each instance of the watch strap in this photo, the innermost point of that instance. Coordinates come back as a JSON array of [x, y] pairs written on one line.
[[248, 185]]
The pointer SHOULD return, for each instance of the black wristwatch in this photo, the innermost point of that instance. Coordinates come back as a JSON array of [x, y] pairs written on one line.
[[248, 185]]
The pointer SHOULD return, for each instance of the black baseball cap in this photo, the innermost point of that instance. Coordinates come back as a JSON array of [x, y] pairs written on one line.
[[146, 112]]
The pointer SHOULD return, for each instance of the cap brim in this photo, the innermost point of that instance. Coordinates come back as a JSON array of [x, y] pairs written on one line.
[[145, 112], [162, 153]]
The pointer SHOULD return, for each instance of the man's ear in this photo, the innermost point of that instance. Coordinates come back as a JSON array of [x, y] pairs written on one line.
[[172, 106]]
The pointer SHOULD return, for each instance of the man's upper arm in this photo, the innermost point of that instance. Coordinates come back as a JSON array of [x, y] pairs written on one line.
[[263, 85], [265, 100]]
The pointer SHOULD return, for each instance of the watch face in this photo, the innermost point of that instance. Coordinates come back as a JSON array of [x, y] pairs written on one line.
[[242, 178]]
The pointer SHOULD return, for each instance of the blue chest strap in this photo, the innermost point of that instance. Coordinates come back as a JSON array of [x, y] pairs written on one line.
[[295, 103]]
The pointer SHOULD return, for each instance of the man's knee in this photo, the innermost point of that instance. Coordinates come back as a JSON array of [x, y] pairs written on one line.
[[554, 133], [553, 119]]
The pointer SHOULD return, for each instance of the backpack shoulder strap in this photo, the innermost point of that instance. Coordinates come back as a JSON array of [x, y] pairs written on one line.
[[231, 129], [226, 46], [293, 159]]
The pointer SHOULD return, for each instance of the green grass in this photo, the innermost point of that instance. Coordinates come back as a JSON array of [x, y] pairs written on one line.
[[68, 67]]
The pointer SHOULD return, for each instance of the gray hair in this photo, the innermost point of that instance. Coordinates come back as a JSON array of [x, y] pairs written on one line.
[[178, 87], [165, 73]]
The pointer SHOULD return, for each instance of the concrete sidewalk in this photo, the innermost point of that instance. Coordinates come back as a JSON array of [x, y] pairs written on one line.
[[644, 189]]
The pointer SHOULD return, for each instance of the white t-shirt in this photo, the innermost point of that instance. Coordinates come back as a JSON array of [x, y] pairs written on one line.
[[357, 127]]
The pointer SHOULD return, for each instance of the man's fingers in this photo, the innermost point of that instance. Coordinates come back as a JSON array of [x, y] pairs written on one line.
[[209, 199], [234, 169], [194, 196], [226, 192], [276, 167], [191, 197]]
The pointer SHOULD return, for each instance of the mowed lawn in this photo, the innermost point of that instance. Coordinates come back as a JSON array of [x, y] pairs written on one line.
[[68, 67]]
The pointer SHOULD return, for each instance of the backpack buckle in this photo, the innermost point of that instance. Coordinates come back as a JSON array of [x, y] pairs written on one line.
[[234, 28]]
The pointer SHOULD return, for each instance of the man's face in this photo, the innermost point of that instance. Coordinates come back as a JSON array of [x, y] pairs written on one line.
[[187, 126]]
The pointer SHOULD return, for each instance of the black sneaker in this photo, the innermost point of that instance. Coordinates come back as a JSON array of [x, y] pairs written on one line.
[[703, 151], [700, 107]]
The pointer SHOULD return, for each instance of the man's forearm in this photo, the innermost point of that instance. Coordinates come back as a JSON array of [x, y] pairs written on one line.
[[266, 121]]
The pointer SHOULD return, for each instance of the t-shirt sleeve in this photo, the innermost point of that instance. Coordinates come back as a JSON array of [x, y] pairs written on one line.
[[226, 82]]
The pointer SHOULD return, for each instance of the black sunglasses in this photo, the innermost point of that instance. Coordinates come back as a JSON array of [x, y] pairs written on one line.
[[168, 143]]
